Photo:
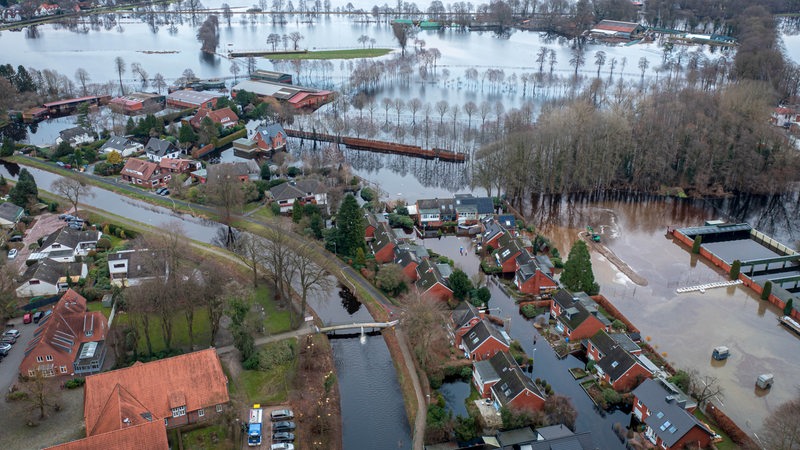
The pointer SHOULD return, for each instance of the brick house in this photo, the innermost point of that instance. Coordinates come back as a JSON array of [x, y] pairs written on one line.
[[383, 244], [178, 391], [573, 319], [301, 192], [68, 342], [225, 117], [66, 244], [408, 261], [462, 319], [614, 364], [501, 379], [506, 257], [430, 281], [132, 267], [142, 173], [668, 424], [138, 433], [531, 279], [484, 340], [493, 231], [434, 212], [159, 148], [122, 145], [49, 277], [271, 138]]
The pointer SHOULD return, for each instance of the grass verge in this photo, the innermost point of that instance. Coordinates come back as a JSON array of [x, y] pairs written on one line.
[[180, 331], [335, 54], [213, 437], [275, 321], [726, 443], [271, 386]]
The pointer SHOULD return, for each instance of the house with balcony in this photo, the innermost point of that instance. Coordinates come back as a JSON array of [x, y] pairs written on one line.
[[470, 210], [133, 267], [142, 173], [615, 365], [66, 245], [433, 213], [159, 148], [49, 277], [68, 342], [669, 424], [484, 340], [122, 145], [301, 192]]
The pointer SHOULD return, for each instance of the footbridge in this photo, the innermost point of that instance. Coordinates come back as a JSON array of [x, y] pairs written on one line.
[[357, 326]]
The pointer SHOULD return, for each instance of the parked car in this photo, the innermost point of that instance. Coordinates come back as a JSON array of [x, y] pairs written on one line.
[[281, 414], [60, 164], [4, 349], [283, 426], [75, 225], [160, 191], [12, 253], [282, 446], [12, 332], [282, 436], [16, 238], [8, 340], [27, 318], [67, 217], [37, 316], [166, 192]]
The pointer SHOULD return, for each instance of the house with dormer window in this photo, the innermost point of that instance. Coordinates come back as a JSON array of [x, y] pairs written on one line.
[[668, 423], [614, 364], [483, 341], [501, 379]]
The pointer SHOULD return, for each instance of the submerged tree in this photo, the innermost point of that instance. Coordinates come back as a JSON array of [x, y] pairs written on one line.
[[401, 32], [578, 275], [208, 34]]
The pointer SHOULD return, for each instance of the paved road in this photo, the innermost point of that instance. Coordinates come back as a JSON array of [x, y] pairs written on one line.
[[304, 329], [343, 272], [9, 366]]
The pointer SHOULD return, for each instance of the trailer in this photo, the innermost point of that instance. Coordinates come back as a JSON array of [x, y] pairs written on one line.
[[254, 429]]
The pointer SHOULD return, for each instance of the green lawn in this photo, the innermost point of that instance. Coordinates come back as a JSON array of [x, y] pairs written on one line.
[[276, 320], [335, 54], [98, 306], [270, 387], [207, 438], [727, 443], [180, 332], [265, 213]]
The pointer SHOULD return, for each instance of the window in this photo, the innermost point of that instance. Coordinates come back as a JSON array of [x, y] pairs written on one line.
[[219, 408], [201, 412], [166, 422], [63, 369], [39, 359], [31, 373], [49, 357], [638, 403], [179, 411], [32, 282]]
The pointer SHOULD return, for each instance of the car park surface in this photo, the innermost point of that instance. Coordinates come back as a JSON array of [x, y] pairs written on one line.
[[282, 436], [9, 366]]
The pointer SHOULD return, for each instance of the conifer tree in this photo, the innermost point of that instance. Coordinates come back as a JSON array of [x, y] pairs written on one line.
[[578, 275]]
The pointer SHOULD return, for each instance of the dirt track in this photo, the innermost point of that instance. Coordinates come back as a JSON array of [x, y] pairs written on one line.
[[615, 260]]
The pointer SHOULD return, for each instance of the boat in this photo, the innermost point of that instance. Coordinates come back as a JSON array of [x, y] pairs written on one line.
[[790, 323], [721, 353]]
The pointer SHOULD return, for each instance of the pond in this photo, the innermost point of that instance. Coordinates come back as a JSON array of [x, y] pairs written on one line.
[[455, 394]]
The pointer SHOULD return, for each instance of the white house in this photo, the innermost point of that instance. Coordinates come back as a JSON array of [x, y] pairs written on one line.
[[159, 148], [48, 277], [66, 244], [302, 192], [75, 136], [121, 145], [132, 267]]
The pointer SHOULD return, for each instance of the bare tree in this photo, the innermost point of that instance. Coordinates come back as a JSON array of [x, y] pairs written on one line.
[[42, 393], [82, 76], [363, 39], [599, 60], [310, 276], [782, 427], [273, 39], [703, 387], [8, 297], [119, 65], [541, 57], [225, 191], [251, 250], [401, 32], [138, 304], [139, 71], [159, 83], [643, 65], [423, 319], [235, 69], [441, 107], [578, 59], [226, 13], [470, 108], [72, 189], [279, 259], [295, 37], [414, 105]]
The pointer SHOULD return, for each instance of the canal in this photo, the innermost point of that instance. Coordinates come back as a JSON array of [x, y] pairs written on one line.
[[373, 412]]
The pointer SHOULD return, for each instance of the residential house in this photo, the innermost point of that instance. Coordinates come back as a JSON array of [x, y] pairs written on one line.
[[507, 221], [132, 267], [573, 320], [48, 277], [531, 279], [506, 257], [137, 103], [243, 170], [681, 398], [10, 215], [185, 99], [159, 148], [270, 138], [181, 390], [668, 424], [463, 318], [301, 192], [430, 281], [68, 342], [493, 231], [225, 117], [408, 257], [784, 116], [435, 212], [141, 173], [66, 245], [614, 364], [46, 9], [372, 223], [75, 136], [625, 341], [617, 29], [470, 210], [484, 340], [122, 145], [132, 408], [503, 381], [169, 167], [13, 13], [383, 244]]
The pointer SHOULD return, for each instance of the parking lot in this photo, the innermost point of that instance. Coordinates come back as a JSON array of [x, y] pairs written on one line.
[[266, 428], [45, 225], [9, 366]]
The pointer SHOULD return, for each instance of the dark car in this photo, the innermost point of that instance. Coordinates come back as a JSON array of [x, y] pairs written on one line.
[[160, 191], [10, 340], [282, 436], [37, 316], [67, 217], [283, 426], [165, 192], [16, 238]]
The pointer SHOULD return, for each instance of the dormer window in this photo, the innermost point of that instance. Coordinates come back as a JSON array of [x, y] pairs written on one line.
[[179, 411]]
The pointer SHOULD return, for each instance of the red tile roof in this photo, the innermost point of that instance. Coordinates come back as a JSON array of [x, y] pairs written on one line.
[[147, 435], [139, 168], [196, 379], [613, 25]]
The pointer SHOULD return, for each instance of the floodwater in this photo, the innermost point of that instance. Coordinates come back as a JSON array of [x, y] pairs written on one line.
[[455, 393]]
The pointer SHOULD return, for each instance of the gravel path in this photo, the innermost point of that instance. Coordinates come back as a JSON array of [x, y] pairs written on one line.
[[58, 427]]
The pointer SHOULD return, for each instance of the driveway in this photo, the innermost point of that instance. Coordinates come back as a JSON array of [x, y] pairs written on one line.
[[45, 225]]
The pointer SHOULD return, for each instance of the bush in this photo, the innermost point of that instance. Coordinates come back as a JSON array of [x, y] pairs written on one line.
[[104, 243], [765, 293], [367, 194], [16, 396], [611, 396], [529, 311], [74, 383]]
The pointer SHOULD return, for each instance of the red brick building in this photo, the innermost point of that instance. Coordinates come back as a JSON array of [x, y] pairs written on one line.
[[531, 279], [430, 281], [142, 173], [407, 259], [224, 117], [615, 365], [483, 341], [669, 424], [501, 379], [573, 319], [383, 243], [463, 318]]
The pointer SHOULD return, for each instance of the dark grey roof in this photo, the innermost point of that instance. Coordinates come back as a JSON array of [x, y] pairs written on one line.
[[159, 147], [71, 133], [580, 441], [428, 276], [714, 229], [510, 251], [616, 362], [117, 142], [507, 220], [445, 206], [285, 191], [10, 212], [70, 238], [383, 237], [310, 186], [480, 333], [516, 437], [667, 419], [482, 205], [564, 298], [624, 341], [513, 381], [574, 316], [297, 189], [485, 370], [141, 263], [50, 271], [554, 432], [404, 257], [544, 263], [270, 131], [463, 313], [445, 269]]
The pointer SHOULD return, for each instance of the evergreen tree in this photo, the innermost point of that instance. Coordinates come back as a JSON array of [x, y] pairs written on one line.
[[349, 227], [7, 148], [767, 290], [25, 191], [265, 172], [578, 275], [186, 135], [460, 284], [297, 213], [787, 310]]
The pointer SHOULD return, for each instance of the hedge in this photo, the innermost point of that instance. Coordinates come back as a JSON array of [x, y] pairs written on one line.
[[230, 138]]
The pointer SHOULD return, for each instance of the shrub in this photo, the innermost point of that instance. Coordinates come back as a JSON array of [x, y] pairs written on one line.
[[529, 311], [619, 325], [16, 396], [735, 268], [611, 396], [765, 293], [74, 383], [104, 243], [367, 194], [698, 241]]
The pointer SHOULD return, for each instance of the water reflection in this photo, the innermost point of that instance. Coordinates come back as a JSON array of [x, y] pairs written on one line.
[[349, 301]]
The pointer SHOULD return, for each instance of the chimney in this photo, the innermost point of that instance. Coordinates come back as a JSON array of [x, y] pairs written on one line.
[[669, 399]]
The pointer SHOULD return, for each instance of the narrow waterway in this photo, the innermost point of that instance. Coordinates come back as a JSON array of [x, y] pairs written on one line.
[[373, 412]]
